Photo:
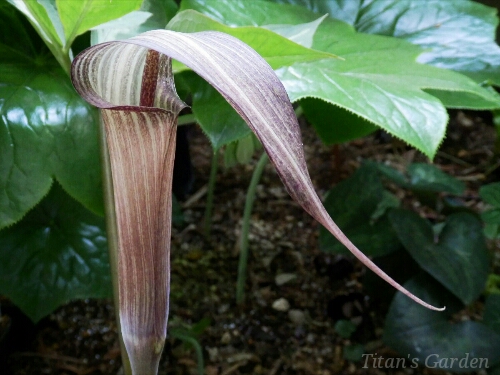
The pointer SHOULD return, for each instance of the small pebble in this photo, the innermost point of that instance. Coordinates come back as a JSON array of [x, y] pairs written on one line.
[[223, 308], [297, 316], [283, 278], [226, 338], [213, 354], [281, 304]]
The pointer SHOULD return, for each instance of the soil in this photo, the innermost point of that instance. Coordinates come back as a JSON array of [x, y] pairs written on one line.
[[286, 324]]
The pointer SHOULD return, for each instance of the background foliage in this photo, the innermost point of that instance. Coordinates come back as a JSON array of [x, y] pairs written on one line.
[[352, 66]]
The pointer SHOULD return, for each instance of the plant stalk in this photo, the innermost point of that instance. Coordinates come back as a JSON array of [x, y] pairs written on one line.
[[243, 242], [250, 199], [207, 222], [196, 346]]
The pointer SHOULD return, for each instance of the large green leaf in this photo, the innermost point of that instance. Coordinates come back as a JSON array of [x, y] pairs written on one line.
[[491, 194], [464, 100], [458, 257], [223, 125], [14, 47], [59, 22], [80, 16], [302, 33], [353, 204], [55, 254], [456, 34], [299, 27], [46, 131], [423, 177], [153, 14], [428, 336], [275, 49], [334, 124], [254, 13], [129, 25], [378, 79], [385, 91], [44, 18]]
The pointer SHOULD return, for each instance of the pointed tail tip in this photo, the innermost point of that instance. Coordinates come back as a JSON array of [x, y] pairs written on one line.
[[439, 308], [425, 304]]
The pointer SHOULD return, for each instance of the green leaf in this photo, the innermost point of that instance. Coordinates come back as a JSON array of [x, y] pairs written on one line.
[[386, 92], [387, 202], [335, 124], [241, 151], [217, 118], [491, 316], [491, 231], [56, 253], [277, 50], [14, 47], [392, 174], [346, 11], [424, 177], [302, 34], [80, 16], [428, 336], [255, 13], [491, 216], [492, 284], [44, 18], [345, 328], [162, 11], [458, 258], [352, 203], [458, 34], [465, 100], [127, 26], [153, 14], [491, 194], [428, 177], [46, 131]]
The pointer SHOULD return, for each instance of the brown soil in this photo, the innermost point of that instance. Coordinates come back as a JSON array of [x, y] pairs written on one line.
[[257, 338]]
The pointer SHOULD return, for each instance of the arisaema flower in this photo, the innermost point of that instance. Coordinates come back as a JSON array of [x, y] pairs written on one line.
[[132, 83]]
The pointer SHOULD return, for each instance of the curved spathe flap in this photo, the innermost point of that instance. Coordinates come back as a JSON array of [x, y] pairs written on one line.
[[249, 84], [122, 75]]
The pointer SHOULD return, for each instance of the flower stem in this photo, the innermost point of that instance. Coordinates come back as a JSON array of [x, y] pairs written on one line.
[[250, 198], [195, 344], [207, 222]]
